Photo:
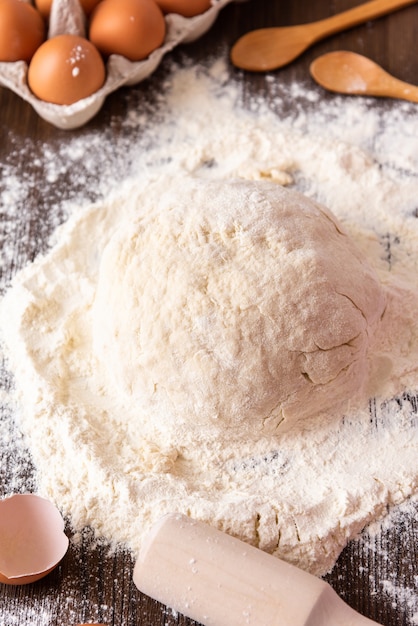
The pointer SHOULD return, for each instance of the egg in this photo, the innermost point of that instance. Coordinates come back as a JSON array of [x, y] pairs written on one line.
[[130, 28], [66, 68], [44, 6], [187, 8], [22, 30]]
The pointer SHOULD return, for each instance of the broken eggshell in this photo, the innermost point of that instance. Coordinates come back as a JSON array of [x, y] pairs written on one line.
[[32, 539]]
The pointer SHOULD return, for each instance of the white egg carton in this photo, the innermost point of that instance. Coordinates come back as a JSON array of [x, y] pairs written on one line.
[[67, 16]]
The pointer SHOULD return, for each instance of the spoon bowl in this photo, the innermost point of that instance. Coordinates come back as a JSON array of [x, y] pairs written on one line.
[[350, 73], [267, 49]]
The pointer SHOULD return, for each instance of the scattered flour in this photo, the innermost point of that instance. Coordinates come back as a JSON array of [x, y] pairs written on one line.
[[305, 495]]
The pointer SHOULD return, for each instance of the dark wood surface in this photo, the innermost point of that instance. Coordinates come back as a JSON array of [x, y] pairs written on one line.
[[88, 585]]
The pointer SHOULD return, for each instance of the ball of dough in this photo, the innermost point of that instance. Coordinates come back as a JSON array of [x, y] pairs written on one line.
[[233, 305]]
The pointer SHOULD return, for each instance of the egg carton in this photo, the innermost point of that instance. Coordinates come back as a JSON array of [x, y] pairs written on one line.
[[67, 16]]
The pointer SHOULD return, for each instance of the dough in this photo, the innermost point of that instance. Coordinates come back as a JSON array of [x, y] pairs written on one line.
[[235, 306]]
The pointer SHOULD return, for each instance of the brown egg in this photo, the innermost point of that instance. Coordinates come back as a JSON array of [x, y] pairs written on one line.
[[89, 5], [65, 69], [131, 28], [44, 6], [187, 8], [22, 30]]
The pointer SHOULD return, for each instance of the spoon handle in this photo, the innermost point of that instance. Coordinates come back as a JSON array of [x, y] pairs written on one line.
[[394, 88], [357, 15]]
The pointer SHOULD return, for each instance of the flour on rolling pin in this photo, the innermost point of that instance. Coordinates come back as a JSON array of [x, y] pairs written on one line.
[[218, 580]]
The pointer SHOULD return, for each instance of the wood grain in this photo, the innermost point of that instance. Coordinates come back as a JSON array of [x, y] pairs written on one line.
[[90, 585]]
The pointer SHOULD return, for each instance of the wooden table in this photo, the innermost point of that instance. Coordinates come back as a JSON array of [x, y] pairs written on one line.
[[88, 585]]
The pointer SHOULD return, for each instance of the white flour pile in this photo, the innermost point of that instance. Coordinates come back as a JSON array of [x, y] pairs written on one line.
[[301, 495]]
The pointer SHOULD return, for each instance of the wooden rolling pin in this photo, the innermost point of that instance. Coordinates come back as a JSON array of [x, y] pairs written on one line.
[[219, 580]]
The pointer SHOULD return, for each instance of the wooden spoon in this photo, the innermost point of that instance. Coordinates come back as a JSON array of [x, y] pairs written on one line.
[[351, 73], [270, 48]]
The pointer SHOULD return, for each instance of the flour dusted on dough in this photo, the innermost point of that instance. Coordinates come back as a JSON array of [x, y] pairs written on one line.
[[206, 267], [300, 496], [232, 309]]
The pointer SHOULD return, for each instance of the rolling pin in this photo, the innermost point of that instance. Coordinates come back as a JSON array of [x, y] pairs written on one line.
[[219, 580]]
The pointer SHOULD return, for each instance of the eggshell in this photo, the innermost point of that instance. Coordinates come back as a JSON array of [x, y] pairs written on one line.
[[131, 28], [32, 539], [187, 8], [22, 30], [65, 69]]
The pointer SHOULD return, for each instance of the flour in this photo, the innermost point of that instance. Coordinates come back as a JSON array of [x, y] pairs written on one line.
[[305, 495]]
